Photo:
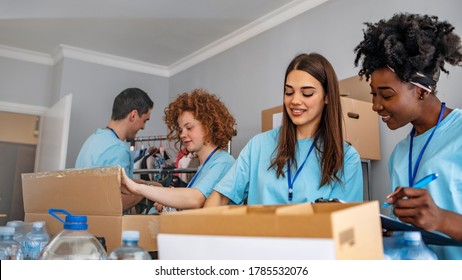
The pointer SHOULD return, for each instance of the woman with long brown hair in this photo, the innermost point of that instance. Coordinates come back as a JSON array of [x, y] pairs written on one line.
[[306, 158]]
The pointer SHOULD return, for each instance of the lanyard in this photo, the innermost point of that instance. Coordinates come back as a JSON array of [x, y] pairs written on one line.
[[412, 174], [113, 132], [289, 180], [200, 169]]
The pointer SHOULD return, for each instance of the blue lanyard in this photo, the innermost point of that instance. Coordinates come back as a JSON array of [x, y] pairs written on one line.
[[289, 180], [412, 175], [200, 169], [113, 132]]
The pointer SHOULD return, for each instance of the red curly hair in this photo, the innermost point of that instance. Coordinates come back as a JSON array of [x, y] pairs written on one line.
[[208, 109]]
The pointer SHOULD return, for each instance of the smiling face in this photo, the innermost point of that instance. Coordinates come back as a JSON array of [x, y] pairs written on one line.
[[397, 102], [192, 132], [304, 101]]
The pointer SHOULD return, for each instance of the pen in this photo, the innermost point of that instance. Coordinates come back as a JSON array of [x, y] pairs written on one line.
[[420, 184]]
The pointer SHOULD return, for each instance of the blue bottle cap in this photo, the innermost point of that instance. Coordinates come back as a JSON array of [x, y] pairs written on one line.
[[72, 222]]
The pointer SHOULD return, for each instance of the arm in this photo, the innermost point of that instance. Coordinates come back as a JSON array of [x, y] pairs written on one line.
[[130, 200], [181, 198], [151, 183], [416, 206], [216, 199]]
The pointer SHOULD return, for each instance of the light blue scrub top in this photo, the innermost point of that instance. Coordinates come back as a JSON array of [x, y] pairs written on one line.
[[443, 156], [212, 172], [104, 148], [250, 178]]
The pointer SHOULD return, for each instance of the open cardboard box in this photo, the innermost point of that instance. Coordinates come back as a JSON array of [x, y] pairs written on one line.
[[93, 192], [348, 230]]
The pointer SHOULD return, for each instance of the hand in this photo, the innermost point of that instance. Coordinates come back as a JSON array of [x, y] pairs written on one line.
[[158, 206], [416, 207], [128, 186], [124, 189]]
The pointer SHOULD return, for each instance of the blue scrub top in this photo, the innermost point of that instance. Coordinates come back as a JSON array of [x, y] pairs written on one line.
[[250, 178]]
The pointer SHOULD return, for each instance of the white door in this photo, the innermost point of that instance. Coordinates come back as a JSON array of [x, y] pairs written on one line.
[[53, 138]]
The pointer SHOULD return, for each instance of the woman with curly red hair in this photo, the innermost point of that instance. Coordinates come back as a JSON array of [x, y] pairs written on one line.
[[200, 122]]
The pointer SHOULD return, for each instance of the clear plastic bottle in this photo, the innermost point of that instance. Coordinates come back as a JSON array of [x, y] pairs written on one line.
[[414, 248], [35, 241], [20, 230], [74, 242], [129, 249], [392, 246], [10, 249]]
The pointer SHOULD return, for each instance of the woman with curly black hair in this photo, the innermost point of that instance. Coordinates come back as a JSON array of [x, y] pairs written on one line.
[[200, 122], [403, 58]]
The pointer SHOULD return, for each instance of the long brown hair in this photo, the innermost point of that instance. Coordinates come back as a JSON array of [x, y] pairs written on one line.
[[328, 138]]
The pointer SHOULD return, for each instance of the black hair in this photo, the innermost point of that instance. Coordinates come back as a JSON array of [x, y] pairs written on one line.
[[131, 99], [410, 44]]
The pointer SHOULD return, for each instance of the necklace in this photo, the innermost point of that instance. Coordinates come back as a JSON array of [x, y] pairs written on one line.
[[113, 131], [413, 173], [200, 169], [290, 183]]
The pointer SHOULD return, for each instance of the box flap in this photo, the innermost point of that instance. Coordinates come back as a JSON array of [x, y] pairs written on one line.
[[354, 227], [93, 191]]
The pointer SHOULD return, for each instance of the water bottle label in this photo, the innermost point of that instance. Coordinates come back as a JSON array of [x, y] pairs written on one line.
[[32, 249]]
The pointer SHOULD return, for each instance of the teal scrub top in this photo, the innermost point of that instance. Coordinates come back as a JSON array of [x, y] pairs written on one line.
[[443, 155], [250, 178]]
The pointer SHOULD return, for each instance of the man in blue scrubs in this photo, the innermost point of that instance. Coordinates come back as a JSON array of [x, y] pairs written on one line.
[[130, 112]]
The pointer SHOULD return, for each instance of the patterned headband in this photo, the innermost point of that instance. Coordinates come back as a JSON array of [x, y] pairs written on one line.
[[423, 81]]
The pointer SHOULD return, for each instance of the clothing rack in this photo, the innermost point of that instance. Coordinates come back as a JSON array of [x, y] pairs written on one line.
[[165, 170], [143, 139], [148, 138]]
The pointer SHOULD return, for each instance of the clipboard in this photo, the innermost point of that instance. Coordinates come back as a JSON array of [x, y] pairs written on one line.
[[430, 238]]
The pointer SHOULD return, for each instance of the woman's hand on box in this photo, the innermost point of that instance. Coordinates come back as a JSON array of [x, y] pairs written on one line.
[[128, 186]]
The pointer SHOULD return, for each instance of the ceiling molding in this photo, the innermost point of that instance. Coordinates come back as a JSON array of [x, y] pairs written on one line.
[[25, 55], [256, 27], [65, 51], [252, 29], [22, 108]]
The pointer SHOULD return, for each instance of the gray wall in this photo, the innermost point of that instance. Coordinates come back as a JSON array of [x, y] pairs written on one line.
[[249, 76], [25, 83], [94, 88]]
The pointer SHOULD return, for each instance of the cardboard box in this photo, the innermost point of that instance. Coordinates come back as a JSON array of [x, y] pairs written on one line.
[[353, 231], [361, 127], [94, 193], [358, 117]]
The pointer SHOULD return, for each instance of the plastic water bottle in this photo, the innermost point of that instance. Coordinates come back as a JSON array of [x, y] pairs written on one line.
[[10, 249], [414, 248], [74, 242], [392, 246], [129, 249], [102, 240], [35, 241], [20, 230]]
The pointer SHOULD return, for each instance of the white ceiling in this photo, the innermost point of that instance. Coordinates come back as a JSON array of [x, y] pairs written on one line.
[[166, 34]]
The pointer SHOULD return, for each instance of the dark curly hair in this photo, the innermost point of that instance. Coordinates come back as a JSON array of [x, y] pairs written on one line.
[[411, 44], [206, 108]]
